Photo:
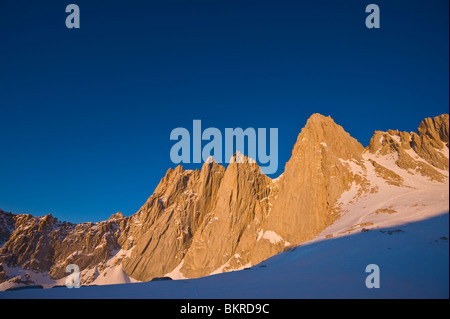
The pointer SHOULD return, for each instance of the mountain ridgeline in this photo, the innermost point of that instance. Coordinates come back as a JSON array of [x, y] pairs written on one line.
[[217, 219]]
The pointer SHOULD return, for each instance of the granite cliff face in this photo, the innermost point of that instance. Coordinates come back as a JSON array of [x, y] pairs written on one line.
[[170, 218], [219, 219], [313, 180]]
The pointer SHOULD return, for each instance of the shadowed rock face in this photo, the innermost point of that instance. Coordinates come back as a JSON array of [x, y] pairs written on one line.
[[217, 219]]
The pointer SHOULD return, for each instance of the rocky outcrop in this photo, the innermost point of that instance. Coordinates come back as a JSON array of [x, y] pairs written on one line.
[[46, 244], [216, 219], [423, 153], [432, 138], [388, 175], [436, 129]]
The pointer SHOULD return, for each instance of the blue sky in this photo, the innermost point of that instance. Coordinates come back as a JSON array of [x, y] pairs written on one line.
[[86, 114]]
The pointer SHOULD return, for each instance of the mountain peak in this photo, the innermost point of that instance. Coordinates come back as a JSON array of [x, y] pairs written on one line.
[[319, 122], [210, 160], [317, 117], [211, 165], [240, 158], [116, 216], [322, 132]]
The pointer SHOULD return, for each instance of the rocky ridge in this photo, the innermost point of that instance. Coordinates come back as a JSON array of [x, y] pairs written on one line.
[[199, 222]]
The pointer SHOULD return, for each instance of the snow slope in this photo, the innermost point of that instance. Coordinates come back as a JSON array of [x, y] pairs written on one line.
[[404, 230], [111, 272]]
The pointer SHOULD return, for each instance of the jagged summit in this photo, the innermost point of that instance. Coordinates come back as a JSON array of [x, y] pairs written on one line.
[[424, 152], [317, 117], [210, 160], [435, 128], [321, 131], [116, 216], [239, 158]]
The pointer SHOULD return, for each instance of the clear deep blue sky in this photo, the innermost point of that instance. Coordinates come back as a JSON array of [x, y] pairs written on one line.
[[86, 114]]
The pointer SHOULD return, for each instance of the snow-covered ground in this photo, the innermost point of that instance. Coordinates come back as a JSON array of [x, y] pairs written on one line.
[[404, 230], [413, 262], [110, 273]]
